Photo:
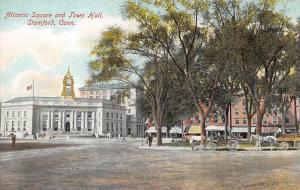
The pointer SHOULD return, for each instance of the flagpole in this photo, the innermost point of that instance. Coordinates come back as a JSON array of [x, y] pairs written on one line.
[[32, 90], [33, 121]]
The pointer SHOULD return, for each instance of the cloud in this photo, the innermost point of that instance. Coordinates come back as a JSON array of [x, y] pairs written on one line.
[[45, 85], [48, 47]]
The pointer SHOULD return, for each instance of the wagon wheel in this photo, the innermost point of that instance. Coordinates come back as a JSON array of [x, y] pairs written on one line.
[[233, 145], [283, 146], [297, 145], [211, 146]]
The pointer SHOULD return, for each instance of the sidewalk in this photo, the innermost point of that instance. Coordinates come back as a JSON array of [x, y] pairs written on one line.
[[146, 147], [154, 147]]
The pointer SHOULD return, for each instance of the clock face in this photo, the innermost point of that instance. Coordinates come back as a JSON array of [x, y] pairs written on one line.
[[68, 82]]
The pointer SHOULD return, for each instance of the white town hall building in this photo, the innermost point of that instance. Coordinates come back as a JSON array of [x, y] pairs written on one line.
[[27, 116]]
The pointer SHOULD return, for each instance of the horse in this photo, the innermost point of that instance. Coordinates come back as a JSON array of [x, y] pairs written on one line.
[[259, 139]]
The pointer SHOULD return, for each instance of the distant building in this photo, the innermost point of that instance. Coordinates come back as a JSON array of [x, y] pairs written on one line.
[[124, 95], [239, 120], [66, 114]]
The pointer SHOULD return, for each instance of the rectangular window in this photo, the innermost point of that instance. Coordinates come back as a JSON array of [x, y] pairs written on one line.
[[44, 125], [24, 125], [25, 113], [275, 121], [117, 127], [121, 128], [79, 115], [13, 114], [244, 103], [19, 125], [107, 126], [254, 120], [117, 115], [112, 126], [7, 124], [68, 114], [19, 113], [107, 114], [236, 112], [78, 125], [237, 121], [244, 121], [120, 116], [44, 116], [90, 114], [7, 114], [12, 125], [112, 115]]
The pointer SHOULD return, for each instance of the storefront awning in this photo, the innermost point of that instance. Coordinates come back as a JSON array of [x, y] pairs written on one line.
[[242, 130], [215, 128], [176, 130]]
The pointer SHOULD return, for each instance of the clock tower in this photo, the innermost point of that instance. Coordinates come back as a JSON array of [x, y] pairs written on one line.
[[68, 86]]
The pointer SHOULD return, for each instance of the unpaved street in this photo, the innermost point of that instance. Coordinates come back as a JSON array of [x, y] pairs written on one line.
[[112, 164]]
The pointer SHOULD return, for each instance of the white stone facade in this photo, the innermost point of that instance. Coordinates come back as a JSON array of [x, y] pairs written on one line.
[[26, 115], [105, 90]]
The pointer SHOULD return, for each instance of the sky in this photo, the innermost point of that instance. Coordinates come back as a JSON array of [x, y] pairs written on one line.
[[43, 53]]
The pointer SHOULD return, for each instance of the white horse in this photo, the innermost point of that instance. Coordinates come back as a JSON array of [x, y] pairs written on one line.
[[259, 139]]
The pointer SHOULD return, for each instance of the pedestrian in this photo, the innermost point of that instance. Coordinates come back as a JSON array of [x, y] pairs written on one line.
[[13, 141]]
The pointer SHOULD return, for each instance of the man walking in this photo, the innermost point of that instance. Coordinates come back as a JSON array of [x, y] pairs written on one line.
[[13, 141]]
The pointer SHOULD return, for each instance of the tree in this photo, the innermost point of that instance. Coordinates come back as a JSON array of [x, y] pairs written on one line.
[[284, 96], [263, 43], [191, 46], [112, 61], [270, 38]]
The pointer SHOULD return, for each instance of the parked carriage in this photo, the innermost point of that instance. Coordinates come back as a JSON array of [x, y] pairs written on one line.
[[285, 141], [282, 141], [215, 142]]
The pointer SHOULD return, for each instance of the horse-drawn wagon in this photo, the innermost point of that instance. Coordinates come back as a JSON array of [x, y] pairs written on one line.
[[285, 141], [281, 141], [215, 142]]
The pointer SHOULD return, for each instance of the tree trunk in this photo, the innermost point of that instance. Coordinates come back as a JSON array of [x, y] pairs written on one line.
[[283, 122], [226, 121], [249, 128], [295, 113], [203, 131], [260, 117], [159, 140]]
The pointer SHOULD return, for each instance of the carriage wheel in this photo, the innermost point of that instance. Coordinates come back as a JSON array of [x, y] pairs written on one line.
[[211, 146], [233, 145], [283, 146], [297, 145]]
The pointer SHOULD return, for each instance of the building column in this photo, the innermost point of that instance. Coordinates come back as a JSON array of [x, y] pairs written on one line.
[[93, 121], [82, 120], [59, 121], [75, 121], [48, 122], [51, 119], [71, 120], [85, 121], [62, 121]]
